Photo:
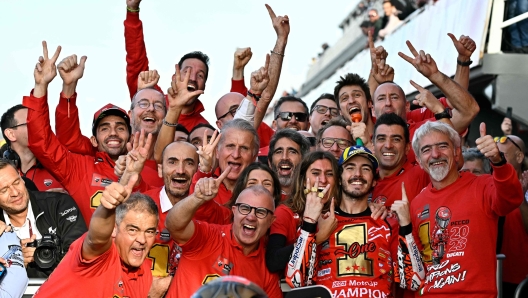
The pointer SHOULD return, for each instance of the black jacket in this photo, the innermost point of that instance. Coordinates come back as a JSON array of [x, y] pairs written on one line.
[[55, 213]]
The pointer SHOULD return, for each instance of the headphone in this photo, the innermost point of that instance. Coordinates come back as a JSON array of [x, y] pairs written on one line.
[[12, 156]]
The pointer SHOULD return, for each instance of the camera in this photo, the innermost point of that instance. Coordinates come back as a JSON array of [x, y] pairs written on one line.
[[47, 250]]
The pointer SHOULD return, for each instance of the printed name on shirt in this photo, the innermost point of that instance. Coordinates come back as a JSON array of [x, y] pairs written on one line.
[[67, 211]]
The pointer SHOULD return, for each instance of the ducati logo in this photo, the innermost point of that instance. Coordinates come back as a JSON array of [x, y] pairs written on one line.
[[48, 182]]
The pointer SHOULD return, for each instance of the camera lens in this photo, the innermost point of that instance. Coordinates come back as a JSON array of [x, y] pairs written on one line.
[[44, 257]]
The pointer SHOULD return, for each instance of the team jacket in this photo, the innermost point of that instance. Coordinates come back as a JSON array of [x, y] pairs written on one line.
[[55, 213], [41, 177], [357, 260], [83, 176], [137, 62], [69, 134], [456, 232]]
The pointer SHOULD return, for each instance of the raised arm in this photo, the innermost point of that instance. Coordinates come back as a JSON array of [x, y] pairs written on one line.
[[179, 220], [178, 96], [465, 108], [465, 47], [281, 24], [67, 127], [241, 59], [379, 71], [136, 57], [99, 238]]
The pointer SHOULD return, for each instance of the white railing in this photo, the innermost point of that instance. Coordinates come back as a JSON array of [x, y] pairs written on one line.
[[498, 24]]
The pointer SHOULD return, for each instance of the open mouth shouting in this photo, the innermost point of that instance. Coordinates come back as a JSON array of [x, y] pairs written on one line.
[[192, 86], [249, 230], [285, 168], [180, 181]]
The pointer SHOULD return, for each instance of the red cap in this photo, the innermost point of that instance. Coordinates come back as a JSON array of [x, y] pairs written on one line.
[[107, 110]]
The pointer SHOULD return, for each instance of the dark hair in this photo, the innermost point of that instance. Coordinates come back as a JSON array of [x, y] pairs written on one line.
[[200, 125], [299, 139], [8, 120], [349, 80], [182, 128], [323, 96], [392, 119], [288, 99], [138, 202], [297, 201], [6, 162], [338, 121], [196, 55], [241, 183]]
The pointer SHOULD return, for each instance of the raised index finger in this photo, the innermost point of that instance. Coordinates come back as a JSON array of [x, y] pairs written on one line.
[[370, 41], [224, 174], [266, 64], [418, 87], [271, 12], [411, 47], [56, 55], [45, 49]]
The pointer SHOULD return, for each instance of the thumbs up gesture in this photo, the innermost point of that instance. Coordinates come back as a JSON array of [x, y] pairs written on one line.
[[401, 208], [70, 70], [115, 193], [487, 146]]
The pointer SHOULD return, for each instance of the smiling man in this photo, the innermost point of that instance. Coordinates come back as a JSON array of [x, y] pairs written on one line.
[[211, 251], [108, 261]]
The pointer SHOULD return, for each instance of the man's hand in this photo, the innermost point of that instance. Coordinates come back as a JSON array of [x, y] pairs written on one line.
[[133, 4], [136, 158], [465, 46], [4, 227], [178, 94], [45, 70], [380, 71], [207, 152], [423, 62], [71, 71], [27, 251], [426, 99], [159, 286], [358, 130], [148, 79], [115, 193], [242, 57], [281, 24], [487, 146], [378, 211], [120, 164], [260, 78], [401, 208], [326, 224], [207, 188], [314, 204]]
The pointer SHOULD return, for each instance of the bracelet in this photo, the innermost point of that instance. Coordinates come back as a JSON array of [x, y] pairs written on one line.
[[276, 53], [169, 124], [255, 96], [200, 169], [467, 63], [311, 220], [501, 162], [132, 10]]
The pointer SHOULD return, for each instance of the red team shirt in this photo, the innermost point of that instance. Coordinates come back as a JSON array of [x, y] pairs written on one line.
[[457, 226], [104, 276], [358, 259], [286, 223], [213, 252]]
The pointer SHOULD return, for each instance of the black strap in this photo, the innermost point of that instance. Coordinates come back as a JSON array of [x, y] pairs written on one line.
[[500, 234]]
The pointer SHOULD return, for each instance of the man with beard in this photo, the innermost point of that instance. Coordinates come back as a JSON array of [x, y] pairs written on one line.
[[179, 163], [83, 176], [211, 251], [33, 214], [359, 255], [455, 217], [287, 149], [290, 112]]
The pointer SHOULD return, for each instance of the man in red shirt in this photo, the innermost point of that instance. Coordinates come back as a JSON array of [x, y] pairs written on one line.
[[108, 261], [455, 217], [14, 131], [179, 163], [211, 251]]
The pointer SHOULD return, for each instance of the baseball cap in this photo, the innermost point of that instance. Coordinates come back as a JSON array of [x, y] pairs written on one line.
[[355, 150], [107, 110]]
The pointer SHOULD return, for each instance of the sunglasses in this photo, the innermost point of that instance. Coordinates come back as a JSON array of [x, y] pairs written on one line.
[[503, 140], [287, 116], [323, 109], [231, 111]]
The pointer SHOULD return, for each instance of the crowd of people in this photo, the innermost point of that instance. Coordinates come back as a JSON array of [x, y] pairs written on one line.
[[356, 193]]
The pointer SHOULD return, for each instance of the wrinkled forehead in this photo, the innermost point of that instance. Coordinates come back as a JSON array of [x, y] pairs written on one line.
[[389, 88]]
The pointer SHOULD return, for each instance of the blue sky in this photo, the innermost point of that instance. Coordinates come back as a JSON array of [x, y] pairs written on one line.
[[172, 28]]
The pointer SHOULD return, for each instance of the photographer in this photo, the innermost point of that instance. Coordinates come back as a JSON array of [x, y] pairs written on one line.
[[34, 215]]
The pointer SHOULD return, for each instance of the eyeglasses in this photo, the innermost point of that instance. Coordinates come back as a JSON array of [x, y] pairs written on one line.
[[287, 116], [231, 111], [503, 139], [260, 212], [371, 15], [15, 126], [341, 143], [322, 110], [145, 104]]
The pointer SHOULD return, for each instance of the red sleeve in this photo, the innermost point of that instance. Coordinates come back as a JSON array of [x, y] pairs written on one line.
[[214, 213], [505, 193], [424, 113], [265, 133], [68, 129], [136, 57], [197, 176], [283, 223], [65, 166], [239, 86]]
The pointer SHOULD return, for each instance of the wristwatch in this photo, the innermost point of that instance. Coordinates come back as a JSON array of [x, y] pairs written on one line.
[[501, 162], [445, 114]]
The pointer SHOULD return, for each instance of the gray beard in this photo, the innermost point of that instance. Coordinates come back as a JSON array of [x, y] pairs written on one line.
[[285, 181], [438, 174]]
